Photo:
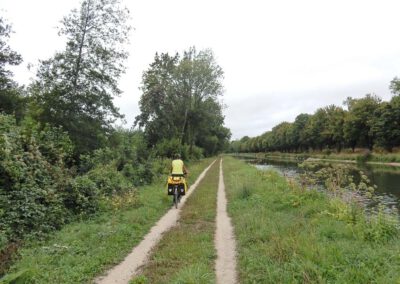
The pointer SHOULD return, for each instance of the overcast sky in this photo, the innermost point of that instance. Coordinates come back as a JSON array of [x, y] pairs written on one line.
[[280, 58]]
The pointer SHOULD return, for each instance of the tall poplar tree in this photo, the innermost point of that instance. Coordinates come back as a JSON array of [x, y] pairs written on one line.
[[75, 88]]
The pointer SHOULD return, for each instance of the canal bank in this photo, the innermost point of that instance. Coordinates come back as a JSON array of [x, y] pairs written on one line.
[[390, 160], [289, 235], [385, 177]]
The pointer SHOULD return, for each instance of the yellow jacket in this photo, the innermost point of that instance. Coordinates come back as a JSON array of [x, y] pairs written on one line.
[[177, 167]]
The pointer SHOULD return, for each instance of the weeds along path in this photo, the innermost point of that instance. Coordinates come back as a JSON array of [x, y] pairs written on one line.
[[124, 271], [225, 265]]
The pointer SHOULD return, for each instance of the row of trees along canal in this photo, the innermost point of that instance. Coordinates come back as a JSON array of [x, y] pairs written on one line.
[[367, 122], [60, 152]]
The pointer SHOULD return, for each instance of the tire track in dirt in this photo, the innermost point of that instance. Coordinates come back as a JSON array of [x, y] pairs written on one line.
[[225, 265]]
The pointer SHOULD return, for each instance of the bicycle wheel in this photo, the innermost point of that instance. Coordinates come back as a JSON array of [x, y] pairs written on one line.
[[176, 197]]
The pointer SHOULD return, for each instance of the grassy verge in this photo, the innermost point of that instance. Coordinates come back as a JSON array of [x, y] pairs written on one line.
[[285, 235], [186, 253], [82, 250]]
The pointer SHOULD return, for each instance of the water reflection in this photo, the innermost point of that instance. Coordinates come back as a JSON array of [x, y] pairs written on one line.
[[387, 179]]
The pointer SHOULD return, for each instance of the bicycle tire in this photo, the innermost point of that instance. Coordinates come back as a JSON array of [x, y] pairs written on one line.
[[176, 198]]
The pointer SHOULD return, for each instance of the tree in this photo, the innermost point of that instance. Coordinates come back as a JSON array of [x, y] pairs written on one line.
[[395, 86], [298, 136], [75, 88], [359, 120], [160, 112], [281, 136], [11, 101], [314, 130], [180, 101], [200, 79], [386, 126], [333, 128]]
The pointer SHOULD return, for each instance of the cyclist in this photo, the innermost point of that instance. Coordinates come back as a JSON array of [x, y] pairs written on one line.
[[177, 167]]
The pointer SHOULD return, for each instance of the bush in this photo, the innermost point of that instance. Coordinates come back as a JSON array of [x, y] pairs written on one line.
[[161, 167], [31, 183], [196, 153], [167, 148], [82, 196], [108, 180], [139, 175], [101, 156]]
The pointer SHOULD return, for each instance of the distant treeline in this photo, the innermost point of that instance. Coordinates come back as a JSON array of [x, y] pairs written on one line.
[[367, 122]]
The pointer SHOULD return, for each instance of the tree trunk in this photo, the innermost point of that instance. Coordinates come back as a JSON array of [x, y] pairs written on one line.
[[81, 43], [184, 125]]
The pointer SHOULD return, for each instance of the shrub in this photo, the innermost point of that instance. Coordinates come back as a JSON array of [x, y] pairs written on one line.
[[108, 180], [167, 148], [82, 196], [31, 183], [101, 156], [140, 174], [161, 167], [196, 153]]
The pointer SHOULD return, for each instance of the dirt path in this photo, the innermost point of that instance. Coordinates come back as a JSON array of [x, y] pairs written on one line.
[[224, 239], [125, 271]]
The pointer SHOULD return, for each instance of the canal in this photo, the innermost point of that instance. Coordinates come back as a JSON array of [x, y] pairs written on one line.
[[386, 178]]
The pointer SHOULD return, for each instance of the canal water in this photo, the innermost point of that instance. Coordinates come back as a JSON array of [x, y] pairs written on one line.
[[386, 178]]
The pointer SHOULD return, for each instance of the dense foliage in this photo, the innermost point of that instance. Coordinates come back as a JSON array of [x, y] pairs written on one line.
[[180, 103], [10, 101], [367, 122], [75, 88], [39, 192], [33, 177], [61, 156]]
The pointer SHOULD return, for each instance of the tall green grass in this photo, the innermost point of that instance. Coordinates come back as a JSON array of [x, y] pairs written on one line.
[[82, 250], [289, 235]]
